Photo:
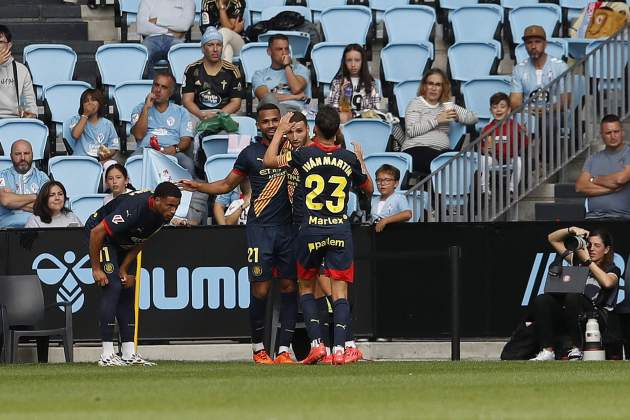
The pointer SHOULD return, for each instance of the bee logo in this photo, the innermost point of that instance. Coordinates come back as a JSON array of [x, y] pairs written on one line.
[[51, 271]]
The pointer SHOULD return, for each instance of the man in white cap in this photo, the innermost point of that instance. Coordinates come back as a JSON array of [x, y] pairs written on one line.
[[212, 84]]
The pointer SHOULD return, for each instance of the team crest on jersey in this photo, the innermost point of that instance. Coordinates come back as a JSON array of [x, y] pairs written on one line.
[[170, 121], [257, 270], [100, 137], [117, 219], [34, 188], [2, 182], [108, 268]]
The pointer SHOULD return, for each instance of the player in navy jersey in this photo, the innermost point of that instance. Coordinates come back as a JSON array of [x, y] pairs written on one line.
[[269, 235], [326, 173], [117, 232]]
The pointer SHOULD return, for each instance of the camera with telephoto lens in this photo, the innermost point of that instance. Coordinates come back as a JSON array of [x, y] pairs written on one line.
[[575, 243]]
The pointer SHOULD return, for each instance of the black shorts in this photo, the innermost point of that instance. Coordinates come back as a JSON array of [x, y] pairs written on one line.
[[111, 257], [334, 249], [270, 252]]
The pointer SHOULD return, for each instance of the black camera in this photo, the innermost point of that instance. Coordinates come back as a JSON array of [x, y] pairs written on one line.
[[575, 243]]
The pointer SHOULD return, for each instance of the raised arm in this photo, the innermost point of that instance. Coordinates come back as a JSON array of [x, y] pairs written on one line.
[[271, 158], [218, 187]]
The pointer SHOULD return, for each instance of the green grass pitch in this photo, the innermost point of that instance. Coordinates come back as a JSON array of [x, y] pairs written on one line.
[[371, 390]]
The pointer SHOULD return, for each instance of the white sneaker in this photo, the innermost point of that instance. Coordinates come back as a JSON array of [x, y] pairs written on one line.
[[136, 359], [575, 354], [111, 360], [545, 356]]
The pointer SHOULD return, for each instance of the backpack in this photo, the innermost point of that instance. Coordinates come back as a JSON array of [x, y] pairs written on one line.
[[283, 21], [523, 344]]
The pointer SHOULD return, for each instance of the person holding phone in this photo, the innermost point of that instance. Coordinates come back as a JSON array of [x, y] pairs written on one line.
[[17, 96]]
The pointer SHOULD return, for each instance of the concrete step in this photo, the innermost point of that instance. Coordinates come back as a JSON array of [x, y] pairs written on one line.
[[23, 11], [37, 31]]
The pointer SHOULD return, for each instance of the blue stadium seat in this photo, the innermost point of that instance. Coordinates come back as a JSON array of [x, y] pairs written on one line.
[[317, 6], [371, 134], [254, 57], [269, 12], [549, 16], [353, 204], [380, 6], [326, 58], [126, 96], [180, 56], [465, 22], [417, 58], [556, 47], [134, 170], [5, 162], [129, 15], [215, 145], [573, 8], [456, 131], [484, 55], [39, 57], [450, 5], [85, 205], [477, 94], [404, 93], [119, 63], [217, 167], [401, 161], [63, 101], [456, 181], [246, 125], [347, 24], [409, 24], [513, 4], [79, 174], [31, 129], [298, 41], [255, 8]]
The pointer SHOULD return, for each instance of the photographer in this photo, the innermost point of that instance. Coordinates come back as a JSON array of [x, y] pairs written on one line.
[[555, 313]]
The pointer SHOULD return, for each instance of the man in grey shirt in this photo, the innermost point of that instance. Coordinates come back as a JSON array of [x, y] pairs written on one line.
[[605, 175]]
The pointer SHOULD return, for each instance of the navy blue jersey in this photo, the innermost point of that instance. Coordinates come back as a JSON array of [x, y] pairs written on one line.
[[128, 219], [296, 195], [326, 174], [270, 204]]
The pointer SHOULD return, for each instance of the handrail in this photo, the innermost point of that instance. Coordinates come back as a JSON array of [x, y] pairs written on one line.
[[482, 185]]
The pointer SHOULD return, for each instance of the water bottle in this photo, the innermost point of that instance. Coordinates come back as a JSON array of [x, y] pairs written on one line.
[[345, 102]]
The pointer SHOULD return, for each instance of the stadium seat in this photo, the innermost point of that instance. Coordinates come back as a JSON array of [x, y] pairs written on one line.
[[79, 174], [256, 7], [418, 57], [316, 7], [512, 4], [465, 20], [62, 101], [549, 16], [85, 205], [371, 134], [269, 12], [446, 7], [182, 55], [217, 167], [485, 56], [298, 41], [31, 129], [353, 204], [126, 96], [254, 57], [456, 180], [134, 170], [409, 24], [556, 47], [380, 6], [326, 58], [215, 145], [39, 57], [346, 24], [477, 94], [5, 162], [401, 161], [246, 125], [119, 63], [129, 14], [404, 92], [456, 131], [571, 9]]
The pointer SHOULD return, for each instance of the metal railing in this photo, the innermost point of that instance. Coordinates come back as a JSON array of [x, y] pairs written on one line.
[[488, 177]]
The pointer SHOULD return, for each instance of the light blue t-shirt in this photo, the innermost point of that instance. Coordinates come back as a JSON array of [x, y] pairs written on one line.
[[95, 135], [169, 126], [527, 81], [29, 183], [276, 81], [393, 204]]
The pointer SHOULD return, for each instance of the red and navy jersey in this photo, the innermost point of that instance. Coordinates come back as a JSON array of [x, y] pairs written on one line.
[[270, 204], [128, 220], [326, 175]]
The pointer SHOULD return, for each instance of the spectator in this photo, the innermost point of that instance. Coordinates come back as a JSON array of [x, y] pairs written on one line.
[[355, 76], [605, 175], [501, 143], [427, 120], [555, 313], [232, 208], [19, 185], [163, 23], [94, 134], [17, 99], [50, 208], [117, 181], [390, 206], [227, 15], [283, 83], [530, 76], [212, 84], [163, 125]]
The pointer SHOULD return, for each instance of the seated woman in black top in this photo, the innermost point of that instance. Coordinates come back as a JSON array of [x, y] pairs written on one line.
[[555, 312]]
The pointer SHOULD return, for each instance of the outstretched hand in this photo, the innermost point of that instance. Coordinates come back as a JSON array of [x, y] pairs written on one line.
[[188, 185]]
